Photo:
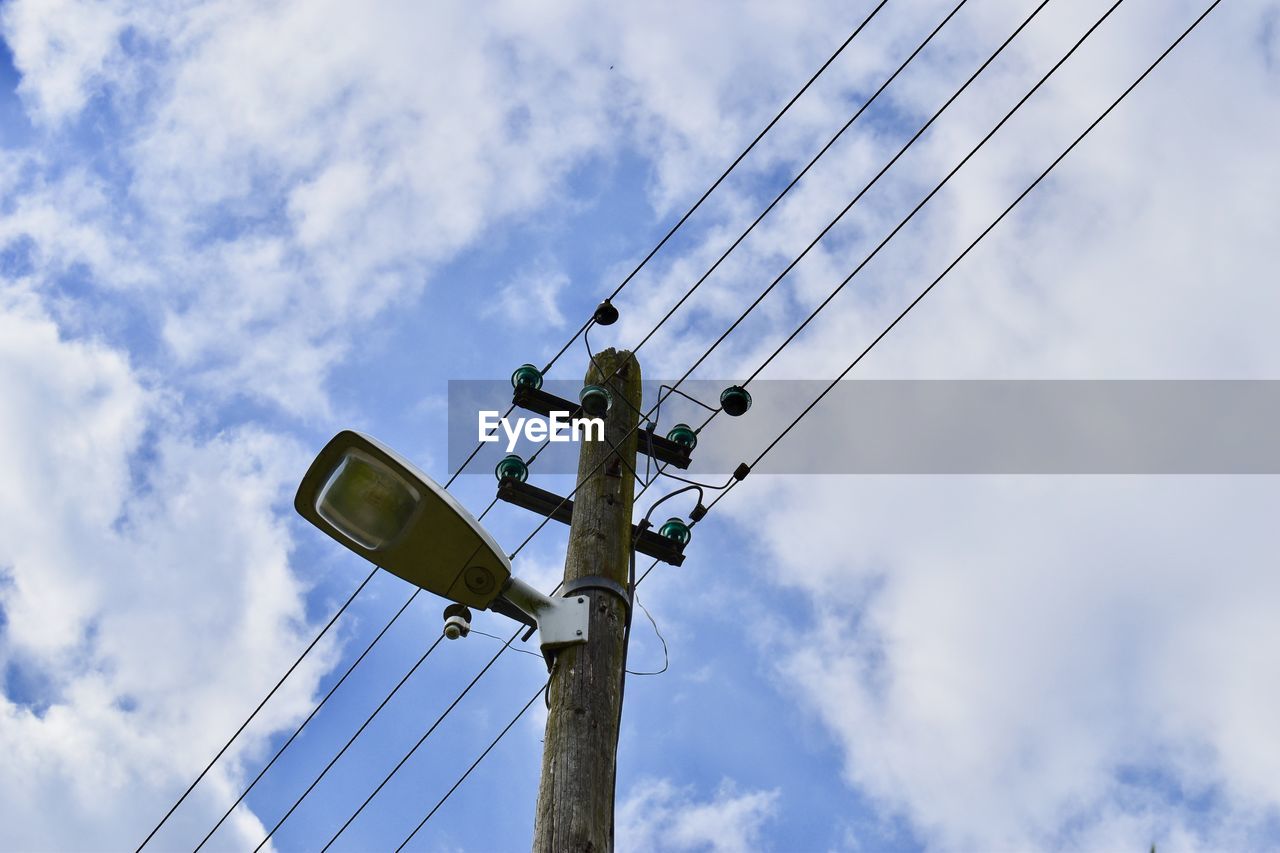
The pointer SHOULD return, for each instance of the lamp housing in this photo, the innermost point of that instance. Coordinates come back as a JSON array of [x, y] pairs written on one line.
[[374, 502]]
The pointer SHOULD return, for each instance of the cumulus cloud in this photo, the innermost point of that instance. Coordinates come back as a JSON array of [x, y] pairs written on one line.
[[658, 815], [273, 179], [137, 597], [1021, 663]]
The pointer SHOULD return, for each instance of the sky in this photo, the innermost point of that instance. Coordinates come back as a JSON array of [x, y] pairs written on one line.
[[230, 229]]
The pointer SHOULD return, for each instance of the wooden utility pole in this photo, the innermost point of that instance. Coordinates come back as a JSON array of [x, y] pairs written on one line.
[[575, 799]]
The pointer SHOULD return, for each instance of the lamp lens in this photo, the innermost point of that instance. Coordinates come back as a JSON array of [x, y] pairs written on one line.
[[366, 501]]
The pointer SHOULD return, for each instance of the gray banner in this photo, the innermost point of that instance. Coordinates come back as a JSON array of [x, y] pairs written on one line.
[[937, 427]]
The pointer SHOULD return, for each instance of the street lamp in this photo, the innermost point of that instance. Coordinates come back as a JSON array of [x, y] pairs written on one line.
[[374, 502]]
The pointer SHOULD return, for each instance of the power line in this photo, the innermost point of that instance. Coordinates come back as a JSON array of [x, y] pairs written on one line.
[[868, 349], [347, 745], [474, 764], [858, 29], [862, 192], [919, 206], [303, 724], [778, 198], [516, 718], [807, 249], [255, 711], [920, 297], [421, 740], [679, 223]]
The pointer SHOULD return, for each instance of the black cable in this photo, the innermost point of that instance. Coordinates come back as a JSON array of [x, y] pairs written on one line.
[[421, 740], [850, 205], [916, 301], [352, 740], [724, 175], [303, 724], [255, 711], [934, 191], [805, 171], [915, 210], [583, 328], [674, 389], [920, 297], [534, 698], [509, 725]]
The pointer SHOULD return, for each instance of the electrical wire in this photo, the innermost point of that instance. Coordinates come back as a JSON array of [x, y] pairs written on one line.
[[316, 709], [805, 171], [879, 337], [421, 740], [521, 713], [918, 207], [534, 698], [935, 190], [350, 741], [666, 654], [792, 264], [617, 290], [546, 369], [255, 711], [303, 724], [705, 195], [956, 261], [776, 200]]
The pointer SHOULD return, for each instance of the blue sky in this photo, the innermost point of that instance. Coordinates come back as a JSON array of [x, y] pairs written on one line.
[[229, 230]]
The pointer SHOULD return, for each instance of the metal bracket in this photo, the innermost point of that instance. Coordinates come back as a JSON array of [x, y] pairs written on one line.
[[661, 448], [534, 499], [561, 621], [602, 583]]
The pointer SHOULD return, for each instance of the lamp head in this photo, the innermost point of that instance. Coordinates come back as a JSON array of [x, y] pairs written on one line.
[[376, 503]]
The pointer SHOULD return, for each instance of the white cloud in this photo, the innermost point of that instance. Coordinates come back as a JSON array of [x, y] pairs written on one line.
[[657, 815], [1010, 662], [532, 298], [142, 619], [287, 172], [62, 49]]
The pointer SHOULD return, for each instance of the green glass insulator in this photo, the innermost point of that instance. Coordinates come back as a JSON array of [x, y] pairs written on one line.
[[683, 435], [676, 530], [526, 376], [511, 467]]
